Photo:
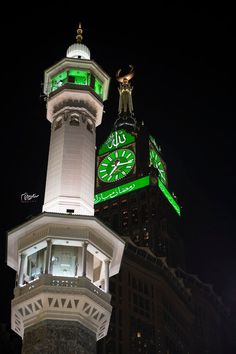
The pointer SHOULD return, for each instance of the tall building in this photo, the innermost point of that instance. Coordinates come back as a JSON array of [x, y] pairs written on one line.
[[157, 306], [64, 256], [132, 188]]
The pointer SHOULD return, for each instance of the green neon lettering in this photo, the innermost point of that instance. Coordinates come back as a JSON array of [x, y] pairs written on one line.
[[121, 190], [132, 186], [116, 139]]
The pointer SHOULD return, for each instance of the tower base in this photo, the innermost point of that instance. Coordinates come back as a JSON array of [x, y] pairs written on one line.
[[58, 337]]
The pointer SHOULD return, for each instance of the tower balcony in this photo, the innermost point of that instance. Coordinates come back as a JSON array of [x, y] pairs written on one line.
[[61, 298], [63, 264]]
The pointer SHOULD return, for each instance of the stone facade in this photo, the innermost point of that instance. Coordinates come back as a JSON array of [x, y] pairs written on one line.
[[59, 337]]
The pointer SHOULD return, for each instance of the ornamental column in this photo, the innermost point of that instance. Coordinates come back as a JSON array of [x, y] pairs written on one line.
[[106, 283], [84, 258], [48, 257], [22, 269]]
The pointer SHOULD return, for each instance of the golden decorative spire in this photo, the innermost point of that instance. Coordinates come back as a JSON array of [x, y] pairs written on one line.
[[79, 36], [125, 78], [125, 90]]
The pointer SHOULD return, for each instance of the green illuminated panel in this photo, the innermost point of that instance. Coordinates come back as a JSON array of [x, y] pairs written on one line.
[[73, 76], [58, 80], [81, 77], [98, 87], [157, 163], [121, 190], [60, 76], [115, 140], [169, 196], [75, 72]]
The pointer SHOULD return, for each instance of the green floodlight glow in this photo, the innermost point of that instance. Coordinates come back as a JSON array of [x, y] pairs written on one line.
[[132, 186], [58, 80], [61, 76], [121, 190], [169, 196], [98, 87], [82, 77], [75, 76], [157, 163], [115, 140]]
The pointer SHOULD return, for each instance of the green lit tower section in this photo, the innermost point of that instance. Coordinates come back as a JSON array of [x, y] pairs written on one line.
[[133, 193], [130, 158]]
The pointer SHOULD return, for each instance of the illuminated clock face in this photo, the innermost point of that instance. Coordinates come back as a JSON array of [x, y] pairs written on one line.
[[116, 165], [158, 164]]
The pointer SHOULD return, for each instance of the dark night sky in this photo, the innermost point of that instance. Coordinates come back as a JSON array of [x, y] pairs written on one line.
[[183, 91]]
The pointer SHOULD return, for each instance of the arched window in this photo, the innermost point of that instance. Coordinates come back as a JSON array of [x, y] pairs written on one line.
[[74, 119], [90, 126], [58, 123]]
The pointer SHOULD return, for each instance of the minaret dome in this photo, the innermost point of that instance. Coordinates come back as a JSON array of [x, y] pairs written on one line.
[[78, 50]]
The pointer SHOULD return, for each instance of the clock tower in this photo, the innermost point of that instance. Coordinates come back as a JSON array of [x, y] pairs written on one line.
[[132, 190], [154, 299], [64, 256]]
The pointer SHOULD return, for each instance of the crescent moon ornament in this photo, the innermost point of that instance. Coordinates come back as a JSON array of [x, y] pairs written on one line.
[[125, 78]]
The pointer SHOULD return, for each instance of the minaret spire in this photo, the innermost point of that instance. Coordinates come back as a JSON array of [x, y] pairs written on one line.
[[79, 36], [125, 109], [125, 90], [78, 50]]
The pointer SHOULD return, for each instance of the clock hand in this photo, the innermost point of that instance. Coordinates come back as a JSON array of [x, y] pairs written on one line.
[[123, 163], [114, 168]]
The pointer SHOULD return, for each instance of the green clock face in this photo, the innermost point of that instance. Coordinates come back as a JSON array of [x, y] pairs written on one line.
[[158, 164], [116, 165]]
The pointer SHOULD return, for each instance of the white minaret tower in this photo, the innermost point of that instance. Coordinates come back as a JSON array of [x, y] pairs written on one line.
[[76, 88], [64, 256]]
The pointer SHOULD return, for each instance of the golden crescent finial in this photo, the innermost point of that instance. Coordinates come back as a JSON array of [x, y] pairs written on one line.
[[126, 77], [79, 36]]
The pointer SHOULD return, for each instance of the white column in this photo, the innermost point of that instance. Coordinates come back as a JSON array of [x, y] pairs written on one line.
[[48, 257], [78, 262], [22, 269], [84, 258], [106, 284]]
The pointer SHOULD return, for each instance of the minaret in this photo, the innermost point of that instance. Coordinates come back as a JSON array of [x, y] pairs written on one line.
[[65, 256], [76, 88]]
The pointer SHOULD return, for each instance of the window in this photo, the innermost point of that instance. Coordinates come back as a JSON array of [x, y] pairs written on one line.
[[36, 264], [70, 211], [98, 87], [58, 80], [90, 126], [76, 77], [71, 76], [58, 123], [79, 77], [74, 120], [64, 260]]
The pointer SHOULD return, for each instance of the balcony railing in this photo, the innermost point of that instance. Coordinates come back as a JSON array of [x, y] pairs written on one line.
[[58, 283]]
